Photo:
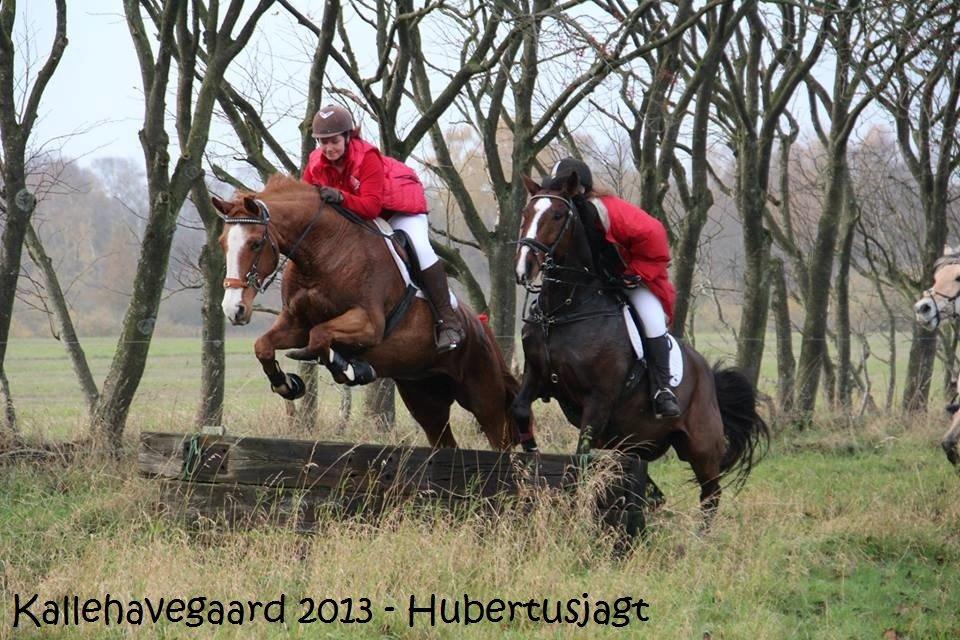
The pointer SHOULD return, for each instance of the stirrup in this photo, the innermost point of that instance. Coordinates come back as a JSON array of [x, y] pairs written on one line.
[[441, 328], [666, 411]]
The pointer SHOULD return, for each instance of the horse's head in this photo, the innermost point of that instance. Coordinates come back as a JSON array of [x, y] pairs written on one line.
[[251, 252], [547, 227], [940, 301]]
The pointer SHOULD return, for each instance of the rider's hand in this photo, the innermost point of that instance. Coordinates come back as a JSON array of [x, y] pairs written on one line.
[[329, 194]]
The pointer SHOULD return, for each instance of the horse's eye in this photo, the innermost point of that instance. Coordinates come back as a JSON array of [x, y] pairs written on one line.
[[957, 278], [558, 215], [257, 245]]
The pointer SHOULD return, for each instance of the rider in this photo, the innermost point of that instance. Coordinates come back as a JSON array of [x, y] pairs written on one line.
[[352, 172], [642, 258]]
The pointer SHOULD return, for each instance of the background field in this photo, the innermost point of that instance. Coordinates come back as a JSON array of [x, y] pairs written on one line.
[[850, 529]]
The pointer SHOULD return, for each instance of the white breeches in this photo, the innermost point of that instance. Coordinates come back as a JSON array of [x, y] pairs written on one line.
[[419, 231], [650, 311]]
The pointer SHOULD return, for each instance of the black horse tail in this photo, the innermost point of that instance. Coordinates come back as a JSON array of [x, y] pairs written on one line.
[[511, 388], [747, 434]]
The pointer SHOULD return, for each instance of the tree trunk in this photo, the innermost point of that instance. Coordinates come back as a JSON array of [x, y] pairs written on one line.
[[9, 413], [379, 403], [813, 347], [923, 352], [844, 363], [503, 298], [308, 409], [68, 334], [786, 364], [130, 357], [212, 349]]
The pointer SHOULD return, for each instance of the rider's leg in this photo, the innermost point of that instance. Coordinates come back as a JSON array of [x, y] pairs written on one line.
[[434, 278], [654, 322]]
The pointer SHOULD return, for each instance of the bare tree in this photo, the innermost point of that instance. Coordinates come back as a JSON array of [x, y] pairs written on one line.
[[16, 126], [772, 54], [923, 97], [167, 189]]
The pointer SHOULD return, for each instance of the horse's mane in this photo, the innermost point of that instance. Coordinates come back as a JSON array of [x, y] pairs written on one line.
[[279, 185], [944, 261]]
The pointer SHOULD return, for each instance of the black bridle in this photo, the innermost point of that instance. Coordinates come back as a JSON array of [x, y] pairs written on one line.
[[565, 311], [548, 264]]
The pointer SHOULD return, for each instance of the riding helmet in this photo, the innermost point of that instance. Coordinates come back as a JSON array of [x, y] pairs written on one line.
[[332, 120], [569, 166]]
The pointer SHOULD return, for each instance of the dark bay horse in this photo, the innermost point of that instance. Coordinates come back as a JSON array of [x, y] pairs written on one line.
[[577, 350], [340, 287]]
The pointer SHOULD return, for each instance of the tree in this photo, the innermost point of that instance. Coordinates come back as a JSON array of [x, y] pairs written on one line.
[[923, 97], [167, 189], [16, 125], [772, 55]]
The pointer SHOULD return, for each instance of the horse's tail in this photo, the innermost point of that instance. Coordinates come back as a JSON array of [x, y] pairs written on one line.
[[747, 434], [511, 385]]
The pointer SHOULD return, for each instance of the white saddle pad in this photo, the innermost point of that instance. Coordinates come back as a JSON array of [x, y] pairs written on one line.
[[387, 230], [676, 353]]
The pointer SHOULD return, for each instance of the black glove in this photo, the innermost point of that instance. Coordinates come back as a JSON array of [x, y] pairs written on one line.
[[329, 194]]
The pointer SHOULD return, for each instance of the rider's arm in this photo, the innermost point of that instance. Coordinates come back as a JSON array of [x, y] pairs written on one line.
[[368, 202]]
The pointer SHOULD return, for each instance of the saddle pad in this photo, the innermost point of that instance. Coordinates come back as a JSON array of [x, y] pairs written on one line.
[[676, 353], [387, 232]]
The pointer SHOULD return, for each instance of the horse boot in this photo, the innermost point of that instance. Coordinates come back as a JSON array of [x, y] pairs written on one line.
[[449, 329], [665, 403]]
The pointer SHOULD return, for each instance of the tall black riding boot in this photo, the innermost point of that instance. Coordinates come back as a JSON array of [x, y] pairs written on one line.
[[665, 403], [449, 330]]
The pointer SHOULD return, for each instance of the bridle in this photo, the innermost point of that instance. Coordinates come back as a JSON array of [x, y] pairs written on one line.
[[548, 263], [253, 278], [948, 301]]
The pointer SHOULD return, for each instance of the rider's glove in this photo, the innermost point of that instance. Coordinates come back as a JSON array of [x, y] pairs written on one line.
[[329, 194]]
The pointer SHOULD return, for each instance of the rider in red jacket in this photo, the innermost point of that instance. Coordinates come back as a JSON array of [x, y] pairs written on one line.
[[352, 172], [641, 243]]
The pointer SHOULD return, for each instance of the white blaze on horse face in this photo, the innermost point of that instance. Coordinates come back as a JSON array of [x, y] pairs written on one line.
[[539, 208], [236, 240]]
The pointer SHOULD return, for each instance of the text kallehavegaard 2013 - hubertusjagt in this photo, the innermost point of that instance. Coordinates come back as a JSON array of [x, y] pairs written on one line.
[[424, 610]]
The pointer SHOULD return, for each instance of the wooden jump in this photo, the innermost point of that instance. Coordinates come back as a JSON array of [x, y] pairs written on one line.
[[241, 481]]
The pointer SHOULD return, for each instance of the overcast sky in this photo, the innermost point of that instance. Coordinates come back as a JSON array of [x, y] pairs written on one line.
[[96, 91]]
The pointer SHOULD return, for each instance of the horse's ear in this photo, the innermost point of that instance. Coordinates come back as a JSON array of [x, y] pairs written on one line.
[[220, 205], [250, 205], [532, 187], [950, 251]]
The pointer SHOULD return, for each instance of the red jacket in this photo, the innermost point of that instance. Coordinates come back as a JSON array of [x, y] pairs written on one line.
[[642, 243], [372, 184]]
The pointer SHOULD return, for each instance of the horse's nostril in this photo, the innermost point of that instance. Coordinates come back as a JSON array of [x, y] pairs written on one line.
[[924, 308], [241, 310]]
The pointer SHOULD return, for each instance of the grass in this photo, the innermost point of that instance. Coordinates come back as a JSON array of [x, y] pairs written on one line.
[[848, 529]]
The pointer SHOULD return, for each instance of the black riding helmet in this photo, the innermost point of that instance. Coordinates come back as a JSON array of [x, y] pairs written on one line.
[[568, 166]]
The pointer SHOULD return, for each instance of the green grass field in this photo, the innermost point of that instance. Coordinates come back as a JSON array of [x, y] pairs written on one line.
[[850, 529]]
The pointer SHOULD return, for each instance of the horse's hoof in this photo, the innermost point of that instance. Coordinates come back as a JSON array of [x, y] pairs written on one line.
[[292, 389], [301, 354]]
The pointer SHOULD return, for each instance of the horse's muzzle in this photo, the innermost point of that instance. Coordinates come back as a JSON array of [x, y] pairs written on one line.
[[927, 313]]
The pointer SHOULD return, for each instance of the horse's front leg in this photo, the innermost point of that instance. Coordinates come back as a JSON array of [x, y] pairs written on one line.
[[284, 334], [521, 407], [355, 328]]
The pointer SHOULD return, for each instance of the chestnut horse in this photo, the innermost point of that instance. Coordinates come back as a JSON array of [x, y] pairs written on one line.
[[339, 288], [939, 304], [577, 350]]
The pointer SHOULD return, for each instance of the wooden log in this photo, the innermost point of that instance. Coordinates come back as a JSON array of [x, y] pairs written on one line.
[[243, 482], [304, 464]]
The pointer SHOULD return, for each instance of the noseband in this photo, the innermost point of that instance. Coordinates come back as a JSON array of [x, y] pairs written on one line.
[[253, 277]]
